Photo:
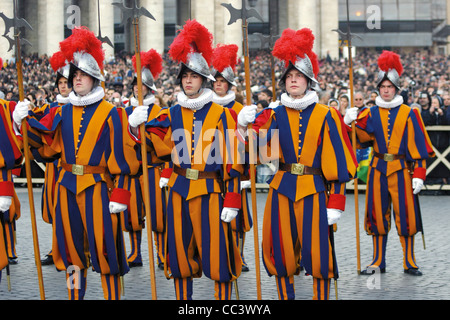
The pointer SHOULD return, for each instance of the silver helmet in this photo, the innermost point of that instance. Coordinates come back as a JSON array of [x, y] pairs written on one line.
[[147, 79], [86, 63], [391, 75], [195, 62], [303, 65], [63, 72], [227, 74]]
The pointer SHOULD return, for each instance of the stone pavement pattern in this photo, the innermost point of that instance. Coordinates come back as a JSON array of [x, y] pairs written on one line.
[[393, 285]]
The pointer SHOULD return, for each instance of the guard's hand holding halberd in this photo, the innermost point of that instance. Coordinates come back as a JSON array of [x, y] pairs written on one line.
[[115, 207], [417, 185], [351, 115], [274, 104], [21, 112], [246, 184], [247, 115], [138, 116], [163, 182], [5, 203], [333, 216], [228, 214]]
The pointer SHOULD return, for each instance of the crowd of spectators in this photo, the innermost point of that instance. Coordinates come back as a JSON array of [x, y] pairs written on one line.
[[426, 85]]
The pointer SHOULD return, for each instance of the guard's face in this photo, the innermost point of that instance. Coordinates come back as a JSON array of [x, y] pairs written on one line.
[[82, 83], [220, 86], [63, 87], [296, 84], [387, 90], [192, 83], [145, 90]]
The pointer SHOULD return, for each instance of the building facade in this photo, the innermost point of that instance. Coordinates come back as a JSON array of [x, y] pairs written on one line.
[[379, 23]]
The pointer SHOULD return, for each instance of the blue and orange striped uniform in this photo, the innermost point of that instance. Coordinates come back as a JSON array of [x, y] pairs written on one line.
[[84, 230], [197, 239], [398, 132], [51, 170], [10, 157], [134, 216], [295, 225]]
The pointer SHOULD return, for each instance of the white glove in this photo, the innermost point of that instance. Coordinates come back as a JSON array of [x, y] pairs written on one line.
[[333, 216], [274, 104], [247, 115], [417, 185], [228, 214], [21, 112], [115, 207], [163, 182], [5, 203], [246, 184], [351, 115], [138, 116]]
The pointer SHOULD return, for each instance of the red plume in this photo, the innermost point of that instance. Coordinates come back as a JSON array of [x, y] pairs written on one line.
[[58, 60], [151, 60], [83, 40], [1, 63], [389, 60], [293, 44], [225, 56], [193, 38]]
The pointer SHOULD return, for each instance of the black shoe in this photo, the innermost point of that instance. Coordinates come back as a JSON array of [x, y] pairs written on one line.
[[133, 264], [245, 268], [47, 261], [371, 270], [12, 261], [161, 266], [413, 271]]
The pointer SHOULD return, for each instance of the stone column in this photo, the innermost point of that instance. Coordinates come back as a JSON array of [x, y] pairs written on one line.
[[232, 34], [8, 10], [106, 23], [151, 31], [329, 20], [51, 26], [204, 12]]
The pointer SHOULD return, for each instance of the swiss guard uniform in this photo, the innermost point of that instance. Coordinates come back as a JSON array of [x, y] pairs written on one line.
[[84, 133], [204, 192], [224, 64], [307, 194], [397, 170], [134, 216], [10, 158]]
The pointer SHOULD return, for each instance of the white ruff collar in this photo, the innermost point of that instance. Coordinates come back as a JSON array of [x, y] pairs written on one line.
[[394, 103], [223, 101], [148, 100], [62, 100], [299, 104], [92, 97], [197, 103]]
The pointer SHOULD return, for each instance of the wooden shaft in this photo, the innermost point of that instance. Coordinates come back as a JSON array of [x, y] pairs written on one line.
[[37, 255], [355, 181], [146, 195], [252, 162]]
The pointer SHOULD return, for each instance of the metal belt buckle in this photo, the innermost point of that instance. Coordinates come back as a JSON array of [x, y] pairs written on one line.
[[78, 169], [297, 169], [388, 157], [192, 174]]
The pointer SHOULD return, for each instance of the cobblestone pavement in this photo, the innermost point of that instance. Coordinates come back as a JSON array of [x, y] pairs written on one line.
[[393, 285]]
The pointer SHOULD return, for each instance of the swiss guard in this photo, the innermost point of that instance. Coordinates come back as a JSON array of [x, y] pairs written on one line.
[[84, 135], [307, 194], [204, 194]]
